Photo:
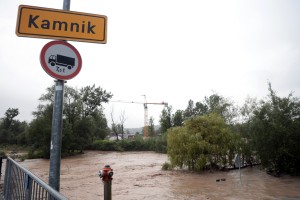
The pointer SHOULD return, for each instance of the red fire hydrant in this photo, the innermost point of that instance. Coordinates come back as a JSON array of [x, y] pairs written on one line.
[[106, 175]]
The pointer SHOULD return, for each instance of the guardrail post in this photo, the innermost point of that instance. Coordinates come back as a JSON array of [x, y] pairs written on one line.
[[28, 187], [106, 174], [7, 179]]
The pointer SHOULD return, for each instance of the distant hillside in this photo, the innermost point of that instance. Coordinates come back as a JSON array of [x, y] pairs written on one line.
[[140, 130]]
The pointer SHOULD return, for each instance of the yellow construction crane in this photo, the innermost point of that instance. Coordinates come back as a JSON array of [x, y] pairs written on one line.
[[145, 110]]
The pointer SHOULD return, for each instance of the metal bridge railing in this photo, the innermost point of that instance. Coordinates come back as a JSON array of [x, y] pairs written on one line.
[[21, 184]]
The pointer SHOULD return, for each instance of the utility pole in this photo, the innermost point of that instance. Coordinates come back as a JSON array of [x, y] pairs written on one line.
[[56, 131]]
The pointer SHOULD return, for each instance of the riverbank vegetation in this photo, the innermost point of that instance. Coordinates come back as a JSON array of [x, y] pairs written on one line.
[[215, 132], [209, 134]]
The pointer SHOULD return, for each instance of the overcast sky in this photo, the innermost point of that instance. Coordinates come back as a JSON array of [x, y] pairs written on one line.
[[168, 50]]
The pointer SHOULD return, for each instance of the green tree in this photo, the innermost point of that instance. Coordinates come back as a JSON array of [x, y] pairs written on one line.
[[214, 103], [84, 133], [166, 119], [178, 118], [190, 110], [10, 114], [275, 128], [92, 97], [151, 127], [218, 104], [243, 127], [12, 131], [39, 131], [203, 142], [83, 118], [201, 108], [72, 105], [101, 128]]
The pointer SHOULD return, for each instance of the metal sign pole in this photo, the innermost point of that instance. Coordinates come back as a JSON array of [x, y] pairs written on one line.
[[67, 4], [56, 131], [55, 149]]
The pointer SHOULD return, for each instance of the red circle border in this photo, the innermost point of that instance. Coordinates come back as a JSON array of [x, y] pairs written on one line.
[[46, 68]]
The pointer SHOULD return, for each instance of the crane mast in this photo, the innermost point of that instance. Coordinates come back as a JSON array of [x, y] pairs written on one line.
[[145, 118], [145, 103]]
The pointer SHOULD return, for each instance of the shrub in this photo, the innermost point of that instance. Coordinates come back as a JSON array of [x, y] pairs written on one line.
[[166, 166], [201, 142]]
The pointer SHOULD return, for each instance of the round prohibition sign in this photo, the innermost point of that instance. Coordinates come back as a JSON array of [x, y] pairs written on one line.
[[60, 60]]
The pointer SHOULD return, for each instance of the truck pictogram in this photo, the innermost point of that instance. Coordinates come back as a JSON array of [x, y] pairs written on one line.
[[61, 60]]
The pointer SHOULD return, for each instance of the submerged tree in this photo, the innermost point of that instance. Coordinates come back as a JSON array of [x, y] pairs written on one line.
[[275, 130], [203, 142]]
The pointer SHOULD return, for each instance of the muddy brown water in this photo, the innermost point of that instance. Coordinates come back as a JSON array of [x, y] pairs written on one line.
[[138, 175]]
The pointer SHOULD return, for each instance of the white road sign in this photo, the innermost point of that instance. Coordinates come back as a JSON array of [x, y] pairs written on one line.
[[60, 60]]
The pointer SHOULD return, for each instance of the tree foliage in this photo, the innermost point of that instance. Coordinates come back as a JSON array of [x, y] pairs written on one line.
[[203, 142], [39, 132], [151, 127], [83, 119], [214, 103], [165, 119], [178, 118], [12, 131], [275, 132]]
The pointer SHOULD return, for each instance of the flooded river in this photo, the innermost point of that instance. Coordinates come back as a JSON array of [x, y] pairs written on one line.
[[138, 175]]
